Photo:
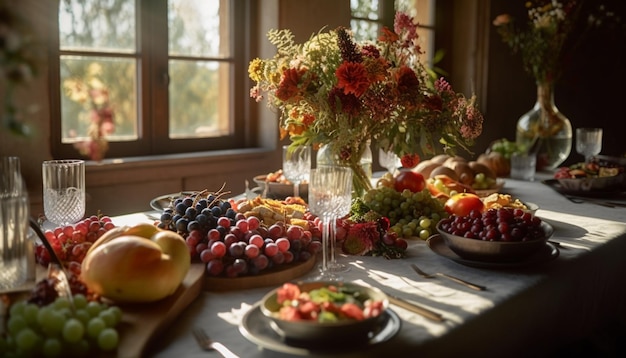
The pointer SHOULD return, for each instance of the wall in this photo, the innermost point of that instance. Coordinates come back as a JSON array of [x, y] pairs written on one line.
[[590, 93]]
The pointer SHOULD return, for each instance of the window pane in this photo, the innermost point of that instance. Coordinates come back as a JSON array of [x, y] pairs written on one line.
[[100, 25], [97, 88], [196, 28], [365, 30], [199, 104], [365, 9]]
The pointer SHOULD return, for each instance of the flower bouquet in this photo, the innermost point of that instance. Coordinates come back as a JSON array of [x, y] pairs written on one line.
[[334, 91]]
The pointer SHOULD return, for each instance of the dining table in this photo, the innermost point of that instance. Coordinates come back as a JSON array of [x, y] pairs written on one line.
[[528, 308]]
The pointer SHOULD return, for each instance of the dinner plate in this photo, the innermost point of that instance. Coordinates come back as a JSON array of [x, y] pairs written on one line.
[[547, 253], [256, 328]]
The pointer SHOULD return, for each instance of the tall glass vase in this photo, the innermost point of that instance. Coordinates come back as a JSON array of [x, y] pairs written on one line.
[[545, 130], [360, 161]]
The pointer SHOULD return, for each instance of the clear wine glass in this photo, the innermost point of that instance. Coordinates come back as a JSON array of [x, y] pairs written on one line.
[[327, 191], [341, 208], [64, 191], [588, 142], [296, 165], [389, 160]]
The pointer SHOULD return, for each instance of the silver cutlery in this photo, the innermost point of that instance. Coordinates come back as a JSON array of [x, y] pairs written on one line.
[[607, 203], [415, 308], [455, 279], [208, 344]]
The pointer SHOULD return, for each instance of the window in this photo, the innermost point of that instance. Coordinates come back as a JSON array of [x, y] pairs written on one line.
[[165, 76], [369, 16]]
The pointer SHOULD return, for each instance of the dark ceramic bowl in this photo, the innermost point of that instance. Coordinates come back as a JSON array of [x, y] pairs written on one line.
[[326, 332], [479, 250]]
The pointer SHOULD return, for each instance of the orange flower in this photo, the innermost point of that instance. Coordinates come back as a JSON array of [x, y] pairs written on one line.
[[388, 36], [288, 87]]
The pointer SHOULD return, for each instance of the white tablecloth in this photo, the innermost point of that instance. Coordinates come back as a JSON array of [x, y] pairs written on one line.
[[524, 311]]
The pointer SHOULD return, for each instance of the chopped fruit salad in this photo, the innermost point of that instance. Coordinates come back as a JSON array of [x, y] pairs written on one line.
[[325, 304]]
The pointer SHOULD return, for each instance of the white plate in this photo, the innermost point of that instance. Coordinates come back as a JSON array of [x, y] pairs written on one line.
[[256, 328]]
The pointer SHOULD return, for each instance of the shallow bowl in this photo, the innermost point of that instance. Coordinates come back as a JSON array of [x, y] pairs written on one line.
[[277, 190], [479, 250], [616, 182], [338, 332]]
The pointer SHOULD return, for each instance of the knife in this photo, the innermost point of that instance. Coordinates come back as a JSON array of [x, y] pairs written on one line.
[[415, 308]]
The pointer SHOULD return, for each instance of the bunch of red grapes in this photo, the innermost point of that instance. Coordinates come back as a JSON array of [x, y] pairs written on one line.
[[503, 224], [71, 242]]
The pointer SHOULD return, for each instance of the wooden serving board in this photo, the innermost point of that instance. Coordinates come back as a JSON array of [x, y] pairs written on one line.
[[269, 278], [143, 322]]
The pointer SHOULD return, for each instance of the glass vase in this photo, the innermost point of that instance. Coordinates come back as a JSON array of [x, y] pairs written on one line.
[[545, 130], [360, 163]]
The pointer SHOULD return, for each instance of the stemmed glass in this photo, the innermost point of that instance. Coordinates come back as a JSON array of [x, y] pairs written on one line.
[[341, 208], [389, 160], [328, 189], [588, 142], [296, 165], [64, 191]]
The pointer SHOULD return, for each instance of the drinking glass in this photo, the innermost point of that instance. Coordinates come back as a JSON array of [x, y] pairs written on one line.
[[588, 142], [14, 221], [296, 165], [389, 160], [64, 191], [328, 189], [341, 208]]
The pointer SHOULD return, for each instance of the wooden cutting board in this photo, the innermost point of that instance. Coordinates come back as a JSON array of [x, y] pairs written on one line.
[[272, 277], [143, 322]]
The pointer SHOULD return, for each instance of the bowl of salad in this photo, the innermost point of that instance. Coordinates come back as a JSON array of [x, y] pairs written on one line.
[[325, 311]]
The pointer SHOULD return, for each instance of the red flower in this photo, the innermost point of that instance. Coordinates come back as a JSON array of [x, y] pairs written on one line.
[[410, 160], [348, 103], [288, 87], [352, 78], [308, 119], [407, 80]]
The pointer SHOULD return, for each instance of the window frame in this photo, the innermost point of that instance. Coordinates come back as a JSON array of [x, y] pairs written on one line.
[[152, 82]]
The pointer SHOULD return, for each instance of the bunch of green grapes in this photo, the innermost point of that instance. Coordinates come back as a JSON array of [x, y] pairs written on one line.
[[60, 330], [505, 147], [410, 214]]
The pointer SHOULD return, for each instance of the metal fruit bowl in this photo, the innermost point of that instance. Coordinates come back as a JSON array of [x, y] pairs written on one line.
[[325, 332], [479, 250], [617, 182], [279, 190]]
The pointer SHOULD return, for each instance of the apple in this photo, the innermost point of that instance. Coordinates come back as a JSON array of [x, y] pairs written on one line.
[[407, 179], [462, 204], [136, 264]]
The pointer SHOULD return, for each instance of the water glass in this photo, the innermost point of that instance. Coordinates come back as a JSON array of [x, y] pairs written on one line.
[[330, 191], [296, 165], [523, 166], [64, 191], [588, 142], [389, 160], [14, 224]]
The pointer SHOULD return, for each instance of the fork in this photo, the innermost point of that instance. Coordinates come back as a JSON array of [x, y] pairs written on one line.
[[208, 344], [455, 279]]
